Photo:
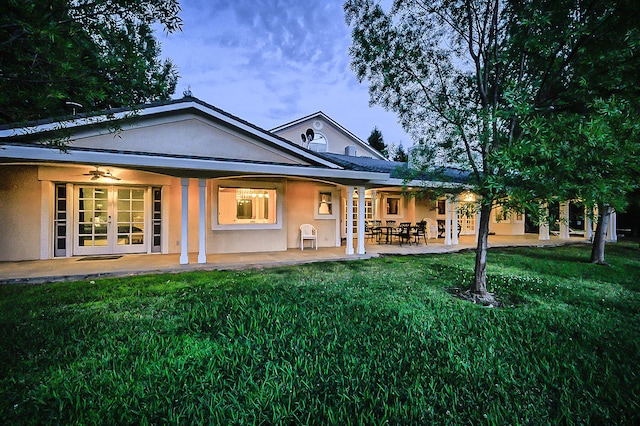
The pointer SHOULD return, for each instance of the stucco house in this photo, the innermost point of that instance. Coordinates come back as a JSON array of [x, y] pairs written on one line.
[[183, 176]]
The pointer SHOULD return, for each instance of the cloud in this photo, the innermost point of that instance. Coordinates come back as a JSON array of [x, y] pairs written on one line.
[[272, 61]]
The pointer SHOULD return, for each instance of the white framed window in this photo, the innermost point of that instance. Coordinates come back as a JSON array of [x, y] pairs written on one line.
[[247, 205], [326, 204], [393, 206], [501, 215], [518, 217], [368, 209], [319, 143]]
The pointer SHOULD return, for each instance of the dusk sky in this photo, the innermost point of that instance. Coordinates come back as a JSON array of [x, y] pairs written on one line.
[[273, 61]]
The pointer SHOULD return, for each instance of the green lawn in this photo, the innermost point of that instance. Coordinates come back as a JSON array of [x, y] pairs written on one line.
[[362, 342]]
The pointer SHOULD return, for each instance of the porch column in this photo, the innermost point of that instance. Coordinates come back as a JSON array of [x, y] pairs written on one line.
[[374, 201], [350, 220], [477, 224], [543, 227], [612, 229], [447, 222], [564, 220], [454, 224], [588, 224], [361, 203], [184, 237], [202, 242]]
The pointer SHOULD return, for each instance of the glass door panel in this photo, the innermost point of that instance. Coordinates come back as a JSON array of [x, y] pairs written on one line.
[[467, 224], [110, 220], [92, 220], [131, 217]]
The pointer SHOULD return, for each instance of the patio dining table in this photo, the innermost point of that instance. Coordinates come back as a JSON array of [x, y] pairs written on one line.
[[387, 230]]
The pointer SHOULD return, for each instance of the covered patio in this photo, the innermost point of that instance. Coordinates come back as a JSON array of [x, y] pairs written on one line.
[[93, 267]]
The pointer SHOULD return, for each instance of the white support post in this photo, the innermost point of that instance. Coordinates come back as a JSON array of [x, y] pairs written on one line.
[[374, 201], [350, 220], [477, 224], [543, 228], [361, 204], [589, 224], [447, 222], [184, 237], [202, 240], [612, 228], [564, 220], [454, 225]]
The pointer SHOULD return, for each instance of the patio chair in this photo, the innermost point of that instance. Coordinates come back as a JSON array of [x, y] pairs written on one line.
[[403, 233], [308, 232], [372, 230], [420, 231], [432, 230]]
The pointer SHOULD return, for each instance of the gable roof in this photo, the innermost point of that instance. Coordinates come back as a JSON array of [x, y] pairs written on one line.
[[352, 136], [38, 130]]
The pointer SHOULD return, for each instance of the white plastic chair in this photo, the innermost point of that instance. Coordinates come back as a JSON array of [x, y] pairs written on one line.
[[432, 230], [308, 232]]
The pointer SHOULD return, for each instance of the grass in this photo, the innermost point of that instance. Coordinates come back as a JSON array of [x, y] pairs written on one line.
[[364, 342]]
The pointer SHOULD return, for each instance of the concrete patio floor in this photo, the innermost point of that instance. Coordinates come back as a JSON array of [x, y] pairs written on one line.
[[83, 268]]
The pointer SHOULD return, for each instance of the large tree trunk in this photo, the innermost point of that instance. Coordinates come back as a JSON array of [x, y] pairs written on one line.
[[480, 275], [597, 248]]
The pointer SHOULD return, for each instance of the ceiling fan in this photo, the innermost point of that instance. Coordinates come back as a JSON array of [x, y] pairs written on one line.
[[97, 174]]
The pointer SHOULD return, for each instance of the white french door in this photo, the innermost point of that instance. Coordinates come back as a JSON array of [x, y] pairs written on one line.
[[110, 219], [467, 224]]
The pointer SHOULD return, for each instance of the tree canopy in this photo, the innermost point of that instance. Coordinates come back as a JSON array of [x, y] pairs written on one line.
[[56, 55], [471, 81], [580, 136]]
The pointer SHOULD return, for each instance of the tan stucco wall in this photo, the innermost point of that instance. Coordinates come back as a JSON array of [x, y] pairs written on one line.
[[301, 203], [425, 210], [20, 207], [337, 139], [245, 240], [185, 135], [506, 228]]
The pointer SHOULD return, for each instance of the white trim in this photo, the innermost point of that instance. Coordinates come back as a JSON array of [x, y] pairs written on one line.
[[148, 218], [311, 117], [161, 109], [164, 220], [21, 152], [231, 183], [335, 203], [401, 206], [71, 217]]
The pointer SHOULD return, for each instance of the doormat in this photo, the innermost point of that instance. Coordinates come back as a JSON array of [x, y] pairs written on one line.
[[99, 258]]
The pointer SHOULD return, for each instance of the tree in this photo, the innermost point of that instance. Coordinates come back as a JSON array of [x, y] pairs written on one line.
[[468, 78], [400, 155], [581, 140], [58, 56], [441, 66], [376, 140]]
